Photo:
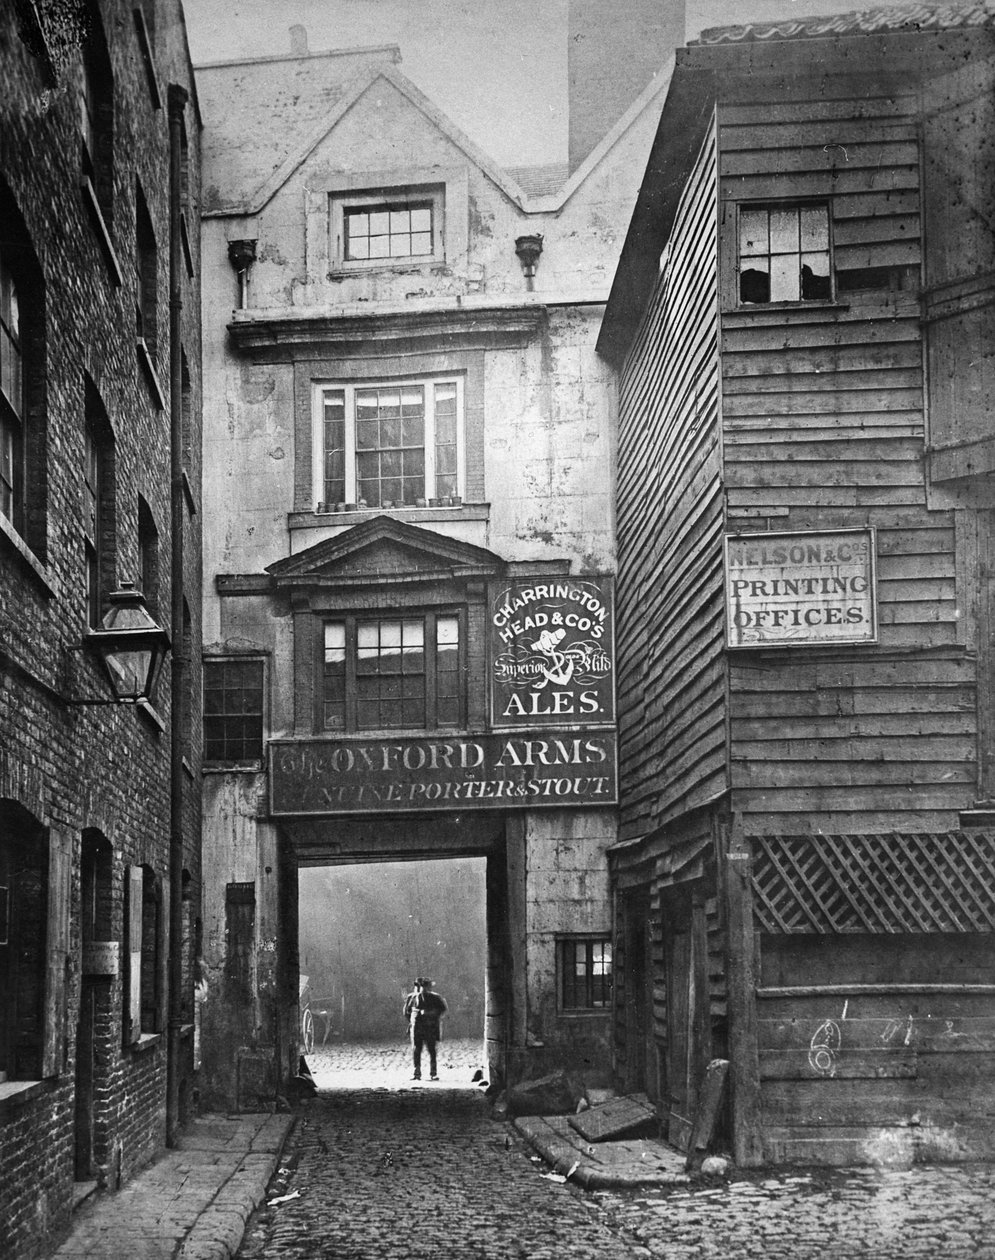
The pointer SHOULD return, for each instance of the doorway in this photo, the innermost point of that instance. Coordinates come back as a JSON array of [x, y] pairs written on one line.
[[365, 931]]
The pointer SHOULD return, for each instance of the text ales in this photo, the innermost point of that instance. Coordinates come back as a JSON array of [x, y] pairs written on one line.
[[486, 771], [800, 589], [552, 653]]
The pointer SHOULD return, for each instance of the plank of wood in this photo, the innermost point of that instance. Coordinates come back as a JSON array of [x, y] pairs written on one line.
[[614, 1118], [797, 1065], [706, 1115], [744, 1077], [923, 1034]]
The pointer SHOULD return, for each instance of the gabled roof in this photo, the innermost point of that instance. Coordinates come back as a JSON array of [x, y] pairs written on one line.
[[385, 550], [878, 21], [241, 99], [292, 143]]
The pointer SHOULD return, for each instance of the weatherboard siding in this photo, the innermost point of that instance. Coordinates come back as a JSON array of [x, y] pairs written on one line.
[[671, 682], [823, 427]]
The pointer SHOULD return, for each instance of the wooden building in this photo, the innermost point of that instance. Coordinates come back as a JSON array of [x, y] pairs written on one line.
[[801, 322]]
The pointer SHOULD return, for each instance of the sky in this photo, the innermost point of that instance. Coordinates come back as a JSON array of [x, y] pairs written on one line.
[[497, 68]]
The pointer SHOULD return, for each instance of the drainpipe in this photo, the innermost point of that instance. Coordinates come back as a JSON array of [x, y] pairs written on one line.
[[181, 660]]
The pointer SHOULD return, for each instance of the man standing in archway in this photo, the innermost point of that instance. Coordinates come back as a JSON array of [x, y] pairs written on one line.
[[424, 1010]]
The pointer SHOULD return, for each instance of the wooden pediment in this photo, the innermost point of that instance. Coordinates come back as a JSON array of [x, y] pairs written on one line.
[[384, 550]]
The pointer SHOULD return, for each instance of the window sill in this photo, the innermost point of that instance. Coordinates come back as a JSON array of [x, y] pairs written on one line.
[[151, 376], [146, 1042], [188, 494], [601, 1013], [320, 520], [232, 767], [103, 235], [13, 539], [385, 267], [185, 242], [756, 308], [150, 715], [17, 1093]]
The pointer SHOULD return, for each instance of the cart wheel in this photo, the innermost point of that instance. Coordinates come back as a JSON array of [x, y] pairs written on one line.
[[307, 1032]]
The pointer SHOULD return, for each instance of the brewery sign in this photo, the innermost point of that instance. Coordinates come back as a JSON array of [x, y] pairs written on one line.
[[490, 770], [800, 589], [552, 653]]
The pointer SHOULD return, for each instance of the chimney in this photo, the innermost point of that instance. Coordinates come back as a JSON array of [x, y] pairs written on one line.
[[298, 41], [613, 51]]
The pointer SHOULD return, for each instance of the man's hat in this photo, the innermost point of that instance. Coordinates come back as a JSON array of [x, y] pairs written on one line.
[[419, 981], [426, 983]]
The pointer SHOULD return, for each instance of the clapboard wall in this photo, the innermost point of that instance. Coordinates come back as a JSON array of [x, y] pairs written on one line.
[[823, 427], [671, 676]]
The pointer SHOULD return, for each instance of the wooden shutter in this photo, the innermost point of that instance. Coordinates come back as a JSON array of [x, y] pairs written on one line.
[[57, 953], [134, 877]]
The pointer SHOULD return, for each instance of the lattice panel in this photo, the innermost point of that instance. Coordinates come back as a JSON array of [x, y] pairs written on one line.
[[891, 883]]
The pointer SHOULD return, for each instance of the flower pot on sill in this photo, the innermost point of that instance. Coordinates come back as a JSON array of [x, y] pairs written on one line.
[[456, 500], [435, 503], [349, 507], [421, 503]]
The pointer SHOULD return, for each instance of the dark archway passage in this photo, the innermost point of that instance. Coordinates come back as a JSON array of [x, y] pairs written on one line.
[[365, 931]]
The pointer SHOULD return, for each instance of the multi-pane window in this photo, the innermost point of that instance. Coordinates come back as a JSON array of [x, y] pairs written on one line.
[[585, 973], [233, 710], [392, 673], [388, 231], [11, 397], [784, 253], [392, 445]]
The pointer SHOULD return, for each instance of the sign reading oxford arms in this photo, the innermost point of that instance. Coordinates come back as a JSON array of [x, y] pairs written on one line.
[[552, 653], [487, 771], [800, 589]]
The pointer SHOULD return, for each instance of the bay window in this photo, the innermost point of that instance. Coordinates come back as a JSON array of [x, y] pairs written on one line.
[[393, 673]]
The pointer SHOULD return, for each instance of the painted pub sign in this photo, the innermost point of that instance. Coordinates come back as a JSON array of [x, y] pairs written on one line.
[[552, 653], [800, 589]]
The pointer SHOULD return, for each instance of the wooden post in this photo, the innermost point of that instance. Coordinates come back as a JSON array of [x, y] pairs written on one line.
[[744, 1070]]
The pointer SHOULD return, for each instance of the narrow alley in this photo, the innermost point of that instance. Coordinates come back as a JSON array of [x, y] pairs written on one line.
[[380, 1167]]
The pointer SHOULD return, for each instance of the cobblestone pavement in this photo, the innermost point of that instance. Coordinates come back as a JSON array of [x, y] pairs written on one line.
[[393, 1169], [922, 1213], [381, 1167]]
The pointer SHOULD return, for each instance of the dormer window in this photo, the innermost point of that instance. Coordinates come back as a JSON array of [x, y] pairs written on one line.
[[387, 228], [388, 231]]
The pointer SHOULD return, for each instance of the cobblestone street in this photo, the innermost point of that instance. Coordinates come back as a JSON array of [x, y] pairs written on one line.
[[380, 1166]]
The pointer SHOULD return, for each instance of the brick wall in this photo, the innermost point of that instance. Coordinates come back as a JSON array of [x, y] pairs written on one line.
[[100, 768]]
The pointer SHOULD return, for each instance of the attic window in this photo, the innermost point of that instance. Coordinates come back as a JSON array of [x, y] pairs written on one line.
[[387, 229]]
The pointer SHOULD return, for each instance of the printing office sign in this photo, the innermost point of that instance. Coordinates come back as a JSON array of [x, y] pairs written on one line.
[[552, 649], [487, 771], [800, 589]]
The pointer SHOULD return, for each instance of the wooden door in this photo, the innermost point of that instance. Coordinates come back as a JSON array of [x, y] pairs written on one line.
[[688, 1038]]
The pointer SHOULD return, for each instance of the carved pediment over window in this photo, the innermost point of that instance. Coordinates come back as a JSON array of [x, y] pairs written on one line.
[[385, 551]]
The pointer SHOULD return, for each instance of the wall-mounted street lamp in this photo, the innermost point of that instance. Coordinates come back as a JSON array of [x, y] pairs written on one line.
[[131, 648], [528, 249]]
